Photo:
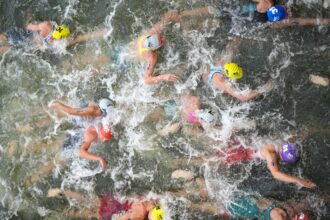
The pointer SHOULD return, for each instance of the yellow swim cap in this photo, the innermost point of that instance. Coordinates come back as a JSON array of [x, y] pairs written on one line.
[[60, 32], [233, 71], [157, 213]]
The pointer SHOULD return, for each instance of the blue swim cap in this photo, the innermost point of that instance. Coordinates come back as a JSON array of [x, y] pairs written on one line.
[[276, 13]]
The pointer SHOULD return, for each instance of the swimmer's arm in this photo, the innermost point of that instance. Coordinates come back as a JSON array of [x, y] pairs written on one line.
[[272, 166], [38, 26], [149, 71], [88, 111], [221, 84], [169, 17], [90, 136], [149, 77], [97, 35]]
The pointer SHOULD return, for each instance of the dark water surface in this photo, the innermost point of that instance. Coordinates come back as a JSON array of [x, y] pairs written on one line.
[[139, 161]]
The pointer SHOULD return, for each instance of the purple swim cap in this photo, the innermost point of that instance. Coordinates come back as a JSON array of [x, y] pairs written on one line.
[[289, 153]]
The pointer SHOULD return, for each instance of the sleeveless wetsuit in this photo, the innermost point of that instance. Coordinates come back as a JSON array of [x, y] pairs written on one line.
[[246, 208], [213, 70], [110, 206], [236, 153]]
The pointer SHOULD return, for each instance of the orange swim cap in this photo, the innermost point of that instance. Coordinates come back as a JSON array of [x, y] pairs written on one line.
[[105, 133]]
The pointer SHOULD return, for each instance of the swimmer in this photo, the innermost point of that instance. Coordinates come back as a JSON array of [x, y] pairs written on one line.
[[271, 13], [226, 70], [190, 109], [252, 207], [272, 154], [90, 109], [107, 206], [242, 207], [256, 207], [99, 132], [45, 32], [277, 16], [146, 47]]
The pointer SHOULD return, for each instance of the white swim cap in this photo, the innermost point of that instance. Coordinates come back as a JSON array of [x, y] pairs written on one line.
[[153, 42], [106, 105], [206, 115]]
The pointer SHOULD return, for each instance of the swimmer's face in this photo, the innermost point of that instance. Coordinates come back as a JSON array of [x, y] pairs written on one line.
[[161, 39], [278, 214]]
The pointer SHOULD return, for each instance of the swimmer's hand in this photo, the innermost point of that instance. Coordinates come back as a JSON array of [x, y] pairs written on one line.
[[103, 163], [267, 87], [53, 104], [55, 193], [169, 77], [307, 183]]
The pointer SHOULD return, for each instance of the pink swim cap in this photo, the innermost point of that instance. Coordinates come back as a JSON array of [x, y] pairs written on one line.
[[192, 118]]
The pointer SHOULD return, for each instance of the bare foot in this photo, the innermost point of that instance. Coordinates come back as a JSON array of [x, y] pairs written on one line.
[[182, 174]]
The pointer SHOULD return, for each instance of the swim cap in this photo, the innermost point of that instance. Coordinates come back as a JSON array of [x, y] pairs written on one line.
[[105, 133], [60, 32], [289, 153], [206, 115], [301, 216], [106, 105], [157, 213], [153, 42], [276, 13], [193, 118], [233, 71]]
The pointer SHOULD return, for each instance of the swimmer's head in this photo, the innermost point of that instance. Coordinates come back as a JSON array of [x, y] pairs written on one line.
[[106, 106], [206, 115], [60, 32], [276, 13], [233, 71], [301, 216], [157, 213], [105, 133], [289, 153], [154, 42], [278, 214]]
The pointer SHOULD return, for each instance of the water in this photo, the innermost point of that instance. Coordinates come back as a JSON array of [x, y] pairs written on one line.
[[139, 161]]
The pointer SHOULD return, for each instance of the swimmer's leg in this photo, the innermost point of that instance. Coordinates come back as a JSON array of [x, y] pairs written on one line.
[[90, 213], [171, 128], [4, 49], [157, 114], [43, 170], [3, 37], [210, 208]]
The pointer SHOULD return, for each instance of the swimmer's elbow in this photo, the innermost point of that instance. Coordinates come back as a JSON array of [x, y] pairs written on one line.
[[82, 152], [149, 80]]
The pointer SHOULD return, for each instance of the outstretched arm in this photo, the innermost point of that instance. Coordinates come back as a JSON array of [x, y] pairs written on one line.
[[149, 77], [90, 111], [219, 82], [272, 165], [169, 17], [299, 22], [97, 35], [89, 138], [38, 26]]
